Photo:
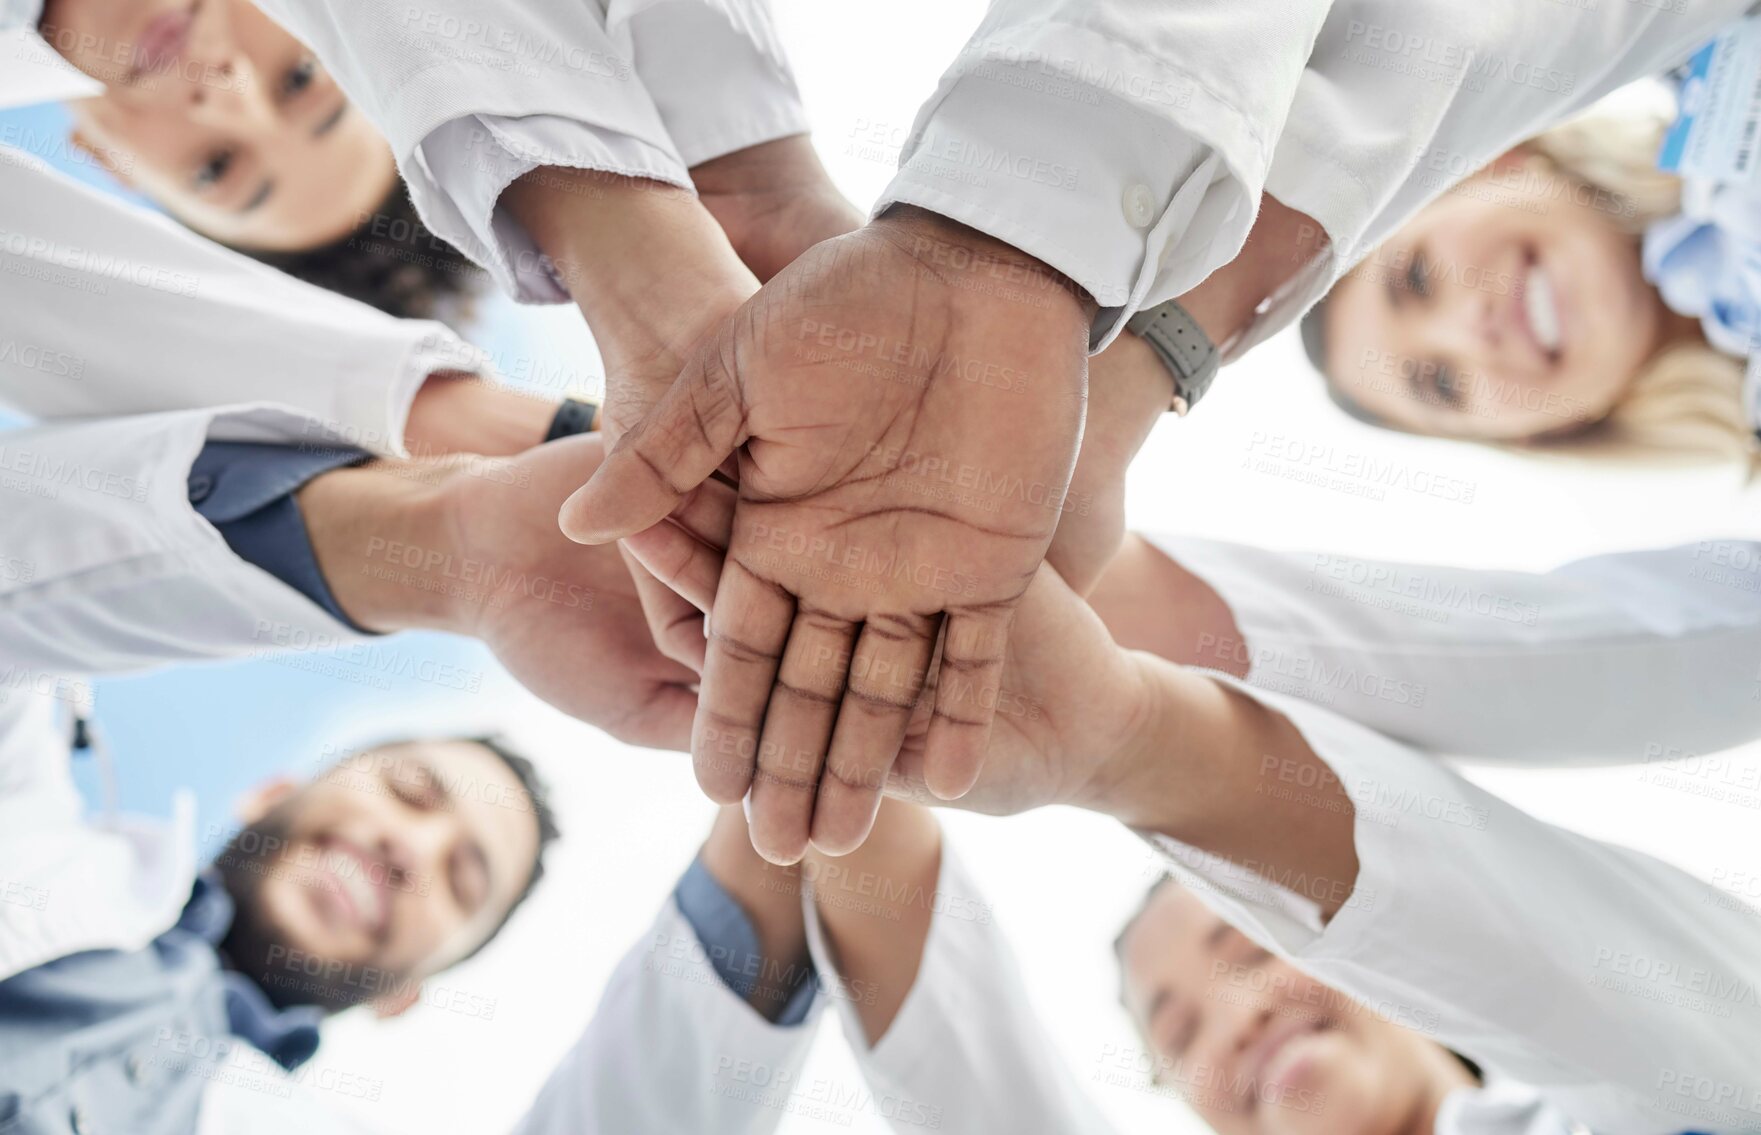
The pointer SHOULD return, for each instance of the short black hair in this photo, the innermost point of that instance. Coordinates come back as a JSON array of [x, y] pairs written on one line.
[[391, 261], [548, 832]]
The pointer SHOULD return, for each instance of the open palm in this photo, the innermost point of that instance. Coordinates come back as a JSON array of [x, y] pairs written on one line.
[[906, 403]]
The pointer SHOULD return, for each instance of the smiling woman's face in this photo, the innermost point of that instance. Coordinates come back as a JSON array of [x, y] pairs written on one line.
[[1255, 1046], [223, 118], [1511, 308]]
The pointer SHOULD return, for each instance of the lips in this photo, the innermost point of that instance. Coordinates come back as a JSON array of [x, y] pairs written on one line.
[[163, 40], [1537, 310], [350, 884], [1275, 1054]]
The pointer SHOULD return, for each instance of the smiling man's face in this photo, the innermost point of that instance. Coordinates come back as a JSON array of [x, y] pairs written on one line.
[[1255, 1046], [389, 867], [219, 115]]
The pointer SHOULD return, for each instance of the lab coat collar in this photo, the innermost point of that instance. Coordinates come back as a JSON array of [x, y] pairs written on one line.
[[288, 1036]]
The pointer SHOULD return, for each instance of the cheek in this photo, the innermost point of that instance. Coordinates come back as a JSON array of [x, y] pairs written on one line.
[[1341, 1091]]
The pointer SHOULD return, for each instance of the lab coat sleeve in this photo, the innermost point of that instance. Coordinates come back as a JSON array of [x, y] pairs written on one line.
[[1125, 143], [113, 569], [1404, 99], [472, 96], [1620, 988], [966, 1051], [106, 308], [1638, 656], [672, 1048], [717, 72]]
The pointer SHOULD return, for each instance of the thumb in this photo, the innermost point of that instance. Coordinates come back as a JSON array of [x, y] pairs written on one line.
[[695, 426]]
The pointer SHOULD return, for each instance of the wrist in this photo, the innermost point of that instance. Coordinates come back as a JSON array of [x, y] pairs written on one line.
[[1128, 393], [640, 258], [1140, 773], [378, 532], [985, 267], [462, 413]]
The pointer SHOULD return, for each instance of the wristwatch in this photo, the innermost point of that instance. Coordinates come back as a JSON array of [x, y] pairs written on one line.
[[574, 416], [1184, 348]]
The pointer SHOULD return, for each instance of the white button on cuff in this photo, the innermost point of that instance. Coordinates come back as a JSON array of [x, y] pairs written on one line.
[[1140, 206]]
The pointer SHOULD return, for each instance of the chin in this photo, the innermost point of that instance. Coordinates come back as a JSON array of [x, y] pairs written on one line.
[[1327, 1089]]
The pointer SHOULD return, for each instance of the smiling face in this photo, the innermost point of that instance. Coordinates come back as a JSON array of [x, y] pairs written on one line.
[[391, 865], [1511, 308], [222, 117], [1258, 1048]]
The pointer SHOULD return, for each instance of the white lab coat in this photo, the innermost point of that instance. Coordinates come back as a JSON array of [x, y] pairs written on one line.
[[106, 308], [472, 96], [1531, 949], [1472, 922], [106, 567], [667, 1033], [1616, 990], [966, 1052], [1633, 657], [1124, 142]]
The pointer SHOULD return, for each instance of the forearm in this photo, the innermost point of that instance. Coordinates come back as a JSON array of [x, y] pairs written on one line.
[[642, 259], [1197, 768], [380, 536], [771, 897], [875, 906], [1280, 244], [1150, 602], [461, 413]]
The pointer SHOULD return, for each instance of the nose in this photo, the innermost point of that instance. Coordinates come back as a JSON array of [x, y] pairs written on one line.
[[419, 848], [226, 94], [1461, 321]]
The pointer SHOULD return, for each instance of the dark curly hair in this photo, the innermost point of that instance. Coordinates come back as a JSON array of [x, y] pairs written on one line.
[[390, 261]]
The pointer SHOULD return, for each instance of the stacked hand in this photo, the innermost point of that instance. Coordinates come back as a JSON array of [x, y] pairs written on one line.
[[902, 409], [471, 546], [1072, 710], [906, 404]]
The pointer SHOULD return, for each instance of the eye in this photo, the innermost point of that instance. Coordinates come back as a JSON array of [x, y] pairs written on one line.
[[417, 788], [1449, 392], [1418, 275], [213, 171], [299, 77]]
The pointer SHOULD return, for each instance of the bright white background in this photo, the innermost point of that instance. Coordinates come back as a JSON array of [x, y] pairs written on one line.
[[1060, 882]]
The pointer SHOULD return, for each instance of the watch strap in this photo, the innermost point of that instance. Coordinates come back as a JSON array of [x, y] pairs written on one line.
[[574, 416], [1184, 348]]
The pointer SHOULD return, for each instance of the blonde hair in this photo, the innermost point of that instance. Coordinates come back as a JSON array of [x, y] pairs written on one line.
[[1687, 400]]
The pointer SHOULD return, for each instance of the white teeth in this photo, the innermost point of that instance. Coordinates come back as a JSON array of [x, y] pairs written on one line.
[[351, 874], [1543, 308]]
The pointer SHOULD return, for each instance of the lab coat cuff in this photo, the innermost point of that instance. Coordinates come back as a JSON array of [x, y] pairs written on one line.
[[1272, 627], [681, 46], [472, 161], [731, 942], [1411, 814], [1125, 173], [121, 597], [372, 415], [248, 493]]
